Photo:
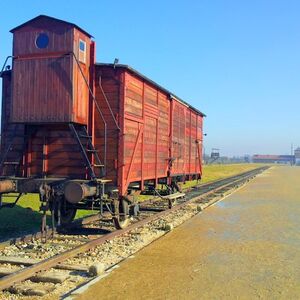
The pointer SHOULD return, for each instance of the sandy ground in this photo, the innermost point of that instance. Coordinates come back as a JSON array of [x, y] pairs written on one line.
[[245, 247]]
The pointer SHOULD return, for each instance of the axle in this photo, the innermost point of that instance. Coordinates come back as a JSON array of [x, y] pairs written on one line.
[[7, 186], [75, 191]]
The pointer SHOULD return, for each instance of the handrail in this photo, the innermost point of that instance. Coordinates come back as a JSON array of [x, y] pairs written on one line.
[[97, 106], [4, 65], [111, 112]]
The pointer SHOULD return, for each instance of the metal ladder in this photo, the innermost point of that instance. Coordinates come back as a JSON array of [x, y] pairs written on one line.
[[10, 147], [98, 110], [11, 139], [84, 141]]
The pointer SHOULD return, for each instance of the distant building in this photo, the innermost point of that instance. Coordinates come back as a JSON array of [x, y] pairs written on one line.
[[297, 152], [297, 155], [274, 159]]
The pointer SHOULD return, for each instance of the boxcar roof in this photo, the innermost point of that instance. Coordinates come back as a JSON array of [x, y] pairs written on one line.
[[171, 95], [51, 18]]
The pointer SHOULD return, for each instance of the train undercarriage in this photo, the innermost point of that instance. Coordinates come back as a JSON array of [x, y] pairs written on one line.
[[62, 197]]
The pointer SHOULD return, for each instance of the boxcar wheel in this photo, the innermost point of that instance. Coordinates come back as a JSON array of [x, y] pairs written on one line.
[[67, 214], [121, 214]]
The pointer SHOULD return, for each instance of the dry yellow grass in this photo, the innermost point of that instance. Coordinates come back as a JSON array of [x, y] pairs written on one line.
[[215, 172]]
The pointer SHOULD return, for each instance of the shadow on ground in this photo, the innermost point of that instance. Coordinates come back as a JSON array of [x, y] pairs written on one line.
[[17, 221]]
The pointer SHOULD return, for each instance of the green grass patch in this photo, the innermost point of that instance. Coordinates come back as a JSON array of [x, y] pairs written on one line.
[[25, 217]]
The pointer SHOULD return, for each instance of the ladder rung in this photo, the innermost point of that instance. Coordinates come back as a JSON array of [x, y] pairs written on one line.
[[86, 146], [85, 136], [91, 150], [105, 181]]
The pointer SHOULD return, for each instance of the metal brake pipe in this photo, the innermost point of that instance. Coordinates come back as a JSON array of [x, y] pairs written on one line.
[[7, 58]]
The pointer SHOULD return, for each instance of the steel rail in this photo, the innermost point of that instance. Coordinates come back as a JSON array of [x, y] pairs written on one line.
[[199, 189], [46, 264]]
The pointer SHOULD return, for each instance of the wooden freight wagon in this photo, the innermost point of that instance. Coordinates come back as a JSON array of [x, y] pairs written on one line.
[[83, 134], [160, 137]]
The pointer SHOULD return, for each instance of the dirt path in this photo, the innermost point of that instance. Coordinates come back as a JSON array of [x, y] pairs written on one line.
[[245, 247]]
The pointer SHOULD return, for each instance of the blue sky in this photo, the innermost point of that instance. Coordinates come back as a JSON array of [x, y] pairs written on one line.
[[237, 61]]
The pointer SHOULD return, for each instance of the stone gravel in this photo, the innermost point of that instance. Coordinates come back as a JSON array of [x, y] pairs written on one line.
[[109, 254]]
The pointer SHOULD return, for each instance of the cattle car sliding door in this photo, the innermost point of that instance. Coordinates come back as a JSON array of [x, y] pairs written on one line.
[[133, 132], [177, 139], [146, 133], [185, 141]]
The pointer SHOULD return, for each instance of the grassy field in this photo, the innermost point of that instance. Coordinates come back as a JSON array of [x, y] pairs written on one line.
[[25, 217], [215, 172]]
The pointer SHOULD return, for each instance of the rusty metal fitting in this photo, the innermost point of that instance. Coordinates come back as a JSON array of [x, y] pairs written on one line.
[[7, 186]]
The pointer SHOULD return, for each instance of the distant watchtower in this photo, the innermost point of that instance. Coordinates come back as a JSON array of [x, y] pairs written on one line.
[[52, 60]]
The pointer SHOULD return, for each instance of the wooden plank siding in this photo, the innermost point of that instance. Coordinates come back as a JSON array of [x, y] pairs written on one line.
[[199, 143], [60, 37], [186, 140], [42, 90], [80, 89], [53, 152], [163, 134], [110, 82], [146, 109], [178, 138], [147, 140]]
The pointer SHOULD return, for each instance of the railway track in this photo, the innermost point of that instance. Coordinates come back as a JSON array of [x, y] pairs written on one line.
[[31, 267]]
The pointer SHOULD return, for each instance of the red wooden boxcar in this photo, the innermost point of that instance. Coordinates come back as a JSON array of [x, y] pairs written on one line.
[[71, 125], [160, 135]]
